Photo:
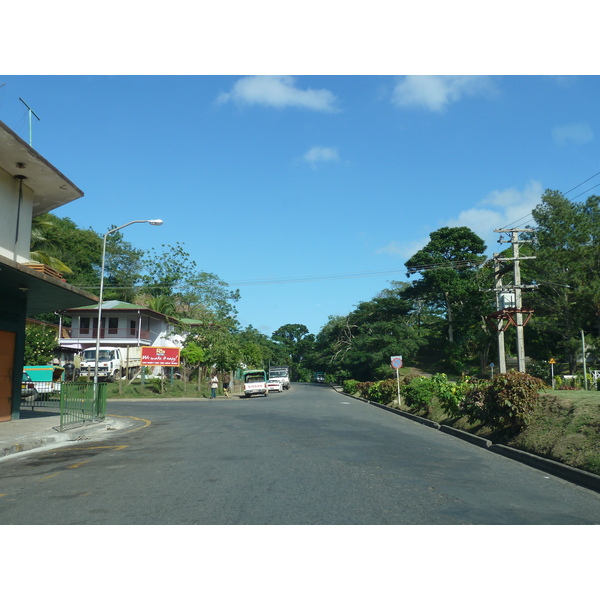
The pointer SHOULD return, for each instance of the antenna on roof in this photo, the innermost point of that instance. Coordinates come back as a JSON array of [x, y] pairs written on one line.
[[30, 113]]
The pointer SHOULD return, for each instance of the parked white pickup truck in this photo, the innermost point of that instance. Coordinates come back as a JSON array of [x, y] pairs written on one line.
[[255, 382]]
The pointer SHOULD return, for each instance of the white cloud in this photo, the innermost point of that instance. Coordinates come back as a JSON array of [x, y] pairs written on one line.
[[575, 133], [278, 92], [434, 92], [404, 250], [321, 154], [500, 209]]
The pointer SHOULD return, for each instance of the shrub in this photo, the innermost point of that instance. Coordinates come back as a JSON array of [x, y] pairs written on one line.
[[540, 369], [363, 388], [473, 404], [507, 401], [418, 392], [383, 392], [350, 386], [451, 395]]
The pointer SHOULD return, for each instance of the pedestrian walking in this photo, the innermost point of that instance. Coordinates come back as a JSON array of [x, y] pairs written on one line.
[[226, 384], [214, 384]]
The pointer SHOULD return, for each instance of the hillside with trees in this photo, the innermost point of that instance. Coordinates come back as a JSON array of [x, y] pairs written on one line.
[[438, 319]]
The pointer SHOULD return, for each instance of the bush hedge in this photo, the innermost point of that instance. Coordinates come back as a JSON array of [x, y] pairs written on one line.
[[506, 401]]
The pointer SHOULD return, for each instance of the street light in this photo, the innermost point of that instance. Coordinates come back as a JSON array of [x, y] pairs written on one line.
[[152, 222]]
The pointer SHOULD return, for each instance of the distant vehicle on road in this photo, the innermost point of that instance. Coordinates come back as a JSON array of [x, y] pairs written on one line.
[[319, 377], [255, 382], [275, 385], [282, 373]]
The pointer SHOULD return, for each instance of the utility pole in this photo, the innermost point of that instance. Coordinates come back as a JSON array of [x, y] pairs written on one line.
[[518, 311], [498, 272]]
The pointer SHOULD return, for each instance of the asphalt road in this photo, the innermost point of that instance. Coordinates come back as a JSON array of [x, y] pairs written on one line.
[[306, 456]]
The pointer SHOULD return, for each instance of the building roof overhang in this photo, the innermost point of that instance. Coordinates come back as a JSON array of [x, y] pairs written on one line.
[[41, 292], [51, 189]]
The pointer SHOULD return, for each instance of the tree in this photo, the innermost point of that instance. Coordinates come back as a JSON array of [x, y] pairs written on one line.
[[295, 343], [122, 267], [360, 345], [447, 265], [196, 294], [40, 342], [79, 249], [566, 270], [42, 249]]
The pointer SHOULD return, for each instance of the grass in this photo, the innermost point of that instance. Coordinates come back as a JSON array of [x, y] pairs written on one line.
[[153, 388]]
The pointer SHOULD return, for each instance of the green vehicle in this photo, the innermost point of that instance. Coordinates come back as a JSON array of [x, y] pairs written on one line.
[[319, 377], [47, 379]]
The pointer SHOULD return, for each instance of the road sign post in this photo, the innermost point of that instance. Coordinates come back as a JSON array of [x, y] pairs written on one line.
[[552, 363], [397, 364]]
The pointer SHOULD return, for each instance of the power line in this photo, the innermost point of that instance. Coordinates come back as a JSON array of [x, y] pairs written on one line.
[[567, 192]]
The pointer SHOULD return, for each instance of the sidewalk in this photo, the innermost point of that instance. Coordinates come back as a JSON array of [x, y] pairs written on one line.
[[40, 428]]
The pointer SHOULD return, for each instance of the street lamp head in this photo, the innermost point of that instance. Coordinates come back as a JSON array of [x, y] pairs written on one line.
[[155, 222]]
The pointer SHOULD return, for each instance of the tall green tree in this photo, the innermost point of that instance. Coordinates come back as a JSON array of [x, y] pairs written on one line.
[[171, 272], [295, 344], [122, 267], [447, 266], [360, 345], [567, 272]]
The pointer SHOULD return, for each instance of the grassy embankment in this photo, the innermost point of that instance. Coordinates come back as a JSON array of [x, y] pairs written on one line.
[[154, 388]]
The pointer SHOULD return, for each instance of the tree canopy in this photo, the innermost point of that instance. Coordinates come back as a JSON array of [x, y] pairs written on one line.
[[438, 315]]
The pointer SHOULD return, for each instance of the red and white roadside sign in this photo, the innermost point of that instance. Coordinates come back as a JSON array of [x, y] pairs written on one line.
[[396, 362], [155, 356]]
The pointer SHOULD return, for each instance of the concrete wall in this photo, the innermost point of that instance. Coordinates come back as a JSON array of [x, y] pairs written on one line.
[[9, 209]]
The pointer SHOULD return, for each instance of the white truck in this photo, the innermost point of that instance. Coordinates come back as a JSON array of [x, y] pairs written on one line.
[[113, 362], [255, 382], [281, 373]]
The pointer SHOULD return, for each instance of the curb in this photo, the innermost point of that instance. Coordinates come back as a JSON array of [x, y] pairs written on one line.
[[577, 476], [50, 437], [566, 472]]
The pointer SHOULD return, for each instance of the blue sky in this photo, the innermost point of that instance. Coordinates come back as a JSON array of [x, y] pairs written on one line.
[[308, 193]]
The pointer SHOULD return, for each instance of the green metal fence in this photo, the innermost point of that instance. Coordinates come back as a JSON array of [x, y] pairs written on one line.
[[81, 402]]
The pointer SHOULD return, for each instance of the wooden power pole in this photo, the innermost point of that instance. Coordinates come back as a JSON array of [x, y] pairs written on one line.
[[513, 310]]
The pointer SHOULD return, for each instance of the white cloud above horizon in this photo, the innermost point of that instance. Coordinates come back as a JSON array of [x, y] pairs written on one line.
[[574, 133], [498, 210], [318, 154], [435, 92], [278, 92]]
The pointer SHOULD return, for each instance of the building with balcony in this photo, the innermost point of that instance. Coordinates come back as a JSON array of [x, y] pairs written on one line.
[[122, 324]]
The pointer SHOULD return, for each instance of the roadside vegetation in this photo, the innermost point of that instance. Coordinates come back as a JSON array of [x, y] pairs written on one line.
[[440, 320], [514, 409]]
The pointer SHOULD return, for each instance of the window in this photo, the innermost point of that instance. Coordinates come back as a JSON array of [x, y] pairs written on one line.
[[132, 328], [113, 326], [84, 325]]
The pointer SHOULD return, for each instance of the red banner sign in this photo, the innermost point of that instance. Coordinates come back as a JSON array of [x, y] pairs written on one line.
[[155, 356]]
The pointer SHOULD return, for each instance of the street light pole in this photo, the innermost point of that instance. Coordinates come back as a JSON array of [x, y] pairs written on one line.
[[152, 222]]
